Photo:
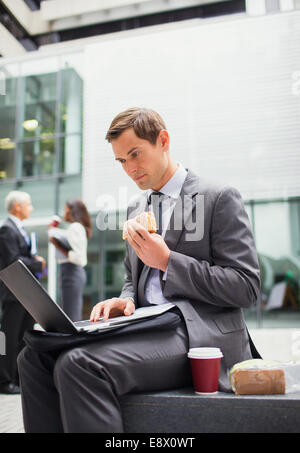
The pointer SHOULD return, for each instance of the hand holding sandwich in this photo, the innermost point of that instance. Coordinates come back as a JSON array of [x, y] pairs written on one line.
[[149, 247]]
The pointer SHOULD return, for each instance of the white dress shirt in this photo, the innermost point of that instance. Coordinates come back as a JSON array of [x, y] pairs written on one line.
[[171, 190]]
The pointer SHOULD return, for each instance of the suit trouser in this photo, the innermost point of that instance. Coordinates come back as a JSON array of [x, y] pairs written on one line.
[[79, 390], [15, 322]]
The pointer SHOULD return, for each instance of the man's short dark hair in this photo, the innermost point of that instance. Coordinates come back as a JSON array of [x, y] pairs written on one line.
[[146, 124]]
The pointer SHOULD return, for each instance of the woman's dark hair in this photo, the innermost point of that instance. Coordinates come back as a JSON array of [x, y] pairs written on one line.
[[79, 213]]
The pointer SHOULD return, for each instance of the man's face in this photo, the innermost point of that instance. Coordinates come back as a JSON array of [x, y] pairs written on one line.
[[25, 209], [145, 163]]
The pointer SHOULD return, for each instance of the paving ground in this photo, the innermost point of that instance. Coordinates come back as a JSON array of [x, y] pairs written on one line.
[[11, 414]]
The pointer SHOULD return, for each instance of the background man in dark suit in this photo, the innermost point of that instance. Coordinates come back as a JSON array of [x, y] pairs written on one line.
[[14, 245], [203, 261]]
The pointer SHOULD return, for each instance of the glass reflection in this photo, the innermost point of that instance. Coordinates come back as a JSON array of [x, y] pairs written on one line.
[[38, 157], [8, 97], [71, 102], [70, 154], [39, 105], [8, 107], [7, 158], [277, 233]]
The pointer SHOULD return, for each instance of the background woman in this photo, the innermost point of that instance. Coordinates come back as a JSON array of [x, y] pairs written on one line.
[[72, 273]]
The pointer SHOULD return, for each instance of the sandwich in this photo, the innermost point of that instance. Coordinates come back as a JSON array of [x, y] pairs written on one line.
[[257, 377], [146, 219]]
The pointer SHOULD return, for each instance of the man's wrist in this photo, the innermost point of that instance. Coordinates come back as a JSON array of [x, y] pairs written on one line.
[[164, 265], [129, 298]]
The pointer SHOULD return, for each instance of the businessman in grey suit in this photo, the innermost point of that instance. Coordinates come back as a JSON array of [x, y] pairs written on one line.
[[203, 261]]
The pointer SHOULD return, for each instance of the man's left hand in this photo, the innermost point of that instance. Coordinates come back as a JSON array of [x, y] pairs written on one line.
[[150, 248], [42, 260]]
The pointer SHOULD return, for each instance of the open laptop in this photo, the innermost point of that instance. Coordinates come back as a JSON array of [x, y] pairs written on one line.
[[28, 290]]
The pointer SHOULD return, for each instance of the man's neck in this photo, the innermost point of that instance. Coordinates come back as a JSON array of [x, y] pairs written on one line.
[[16, 220], [169, 173], [15, 214]]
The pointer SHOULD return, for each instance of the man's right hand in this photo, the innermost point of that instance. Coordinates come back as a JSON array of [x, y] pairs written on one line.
[[112, 307]]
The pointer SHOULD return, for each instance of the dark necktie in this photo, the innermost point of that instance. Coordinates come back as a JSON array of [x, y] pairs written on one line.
[[156, 201]]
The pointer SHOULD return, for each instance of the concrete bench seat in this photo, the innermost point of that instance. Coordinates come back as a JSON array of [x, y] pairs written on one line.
[[182, 411]]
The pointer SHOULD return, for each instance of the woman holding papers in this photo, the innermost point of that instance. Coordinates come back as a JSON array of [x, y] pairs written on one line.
[[71, 245]]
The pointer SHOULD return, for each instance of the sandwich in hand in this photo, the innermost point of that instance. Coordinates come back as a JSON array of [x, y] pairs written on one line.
[[146, 219]]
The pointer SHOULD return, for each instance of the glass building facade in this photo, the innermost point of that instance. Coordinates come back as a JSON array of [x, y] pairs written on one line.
[[41, 131], [41, 137]]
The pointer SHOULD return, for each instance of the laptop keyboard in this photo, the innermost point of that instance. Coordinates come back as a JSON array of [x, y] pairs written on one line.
[[86, 323]]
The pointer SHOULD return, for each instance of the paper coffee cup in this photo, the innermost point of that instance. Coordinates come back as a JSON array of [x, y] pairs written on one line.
[[55, 221], [205, 365]]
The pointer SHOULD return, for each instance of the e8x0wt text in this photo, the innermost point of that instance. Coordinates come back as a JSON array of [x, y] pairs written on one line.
[[172, 442]]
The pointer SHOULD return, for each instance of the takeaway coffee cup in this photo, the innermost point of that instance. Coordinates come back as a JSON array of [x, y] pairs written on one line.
[[205, 364], [55, 221]]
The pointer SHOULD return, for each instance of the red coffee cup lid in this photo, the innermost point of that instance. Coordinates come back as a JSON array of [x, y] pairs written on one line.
[[205, 353]]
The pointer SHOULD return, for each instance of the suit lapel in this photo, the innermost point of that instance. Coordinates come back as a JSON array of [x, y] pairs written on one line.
[[183, 210], [137, 265], [17, 231]]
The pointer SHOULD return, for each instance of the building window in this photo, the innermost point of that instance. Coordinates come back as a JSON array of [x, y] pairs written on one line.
[[8, 125], [7, 158], [38, 115], [37, 157], [276, 225], [41, 126]]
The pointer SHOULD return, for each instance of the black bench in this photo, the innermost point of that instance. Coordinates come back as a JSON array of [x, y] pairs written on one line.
[[181, 411]]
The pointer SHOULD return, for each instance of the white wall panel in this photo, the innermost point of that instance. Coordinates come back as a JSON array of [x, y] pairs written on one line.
[[226, 91]]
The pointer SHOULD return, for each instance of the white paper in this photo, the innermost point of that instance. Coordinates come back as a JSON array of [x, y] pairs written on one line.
[[60, 235], [140, 313]]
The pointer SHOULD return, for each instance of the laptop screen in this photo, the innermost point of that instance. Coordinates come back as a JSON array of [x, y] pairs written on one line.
[[27, 289]]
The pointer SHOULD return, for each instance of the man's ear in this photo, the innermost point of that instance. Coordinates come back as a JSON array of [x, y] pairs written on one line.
[[15, 209], [164, 139]]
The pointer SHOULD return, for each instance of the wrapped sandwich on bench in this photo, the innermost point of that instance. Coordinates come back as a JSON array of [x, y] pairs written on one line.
[[146, 219], [257, 377]]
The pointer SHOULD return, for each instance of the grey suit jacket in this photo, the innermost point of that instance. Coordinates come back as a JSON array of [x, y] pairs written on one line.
[[213, 269]]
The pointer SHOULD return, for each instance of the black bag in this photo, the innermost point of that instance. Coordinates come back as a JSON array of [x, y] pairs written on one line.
[[49, 341]]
